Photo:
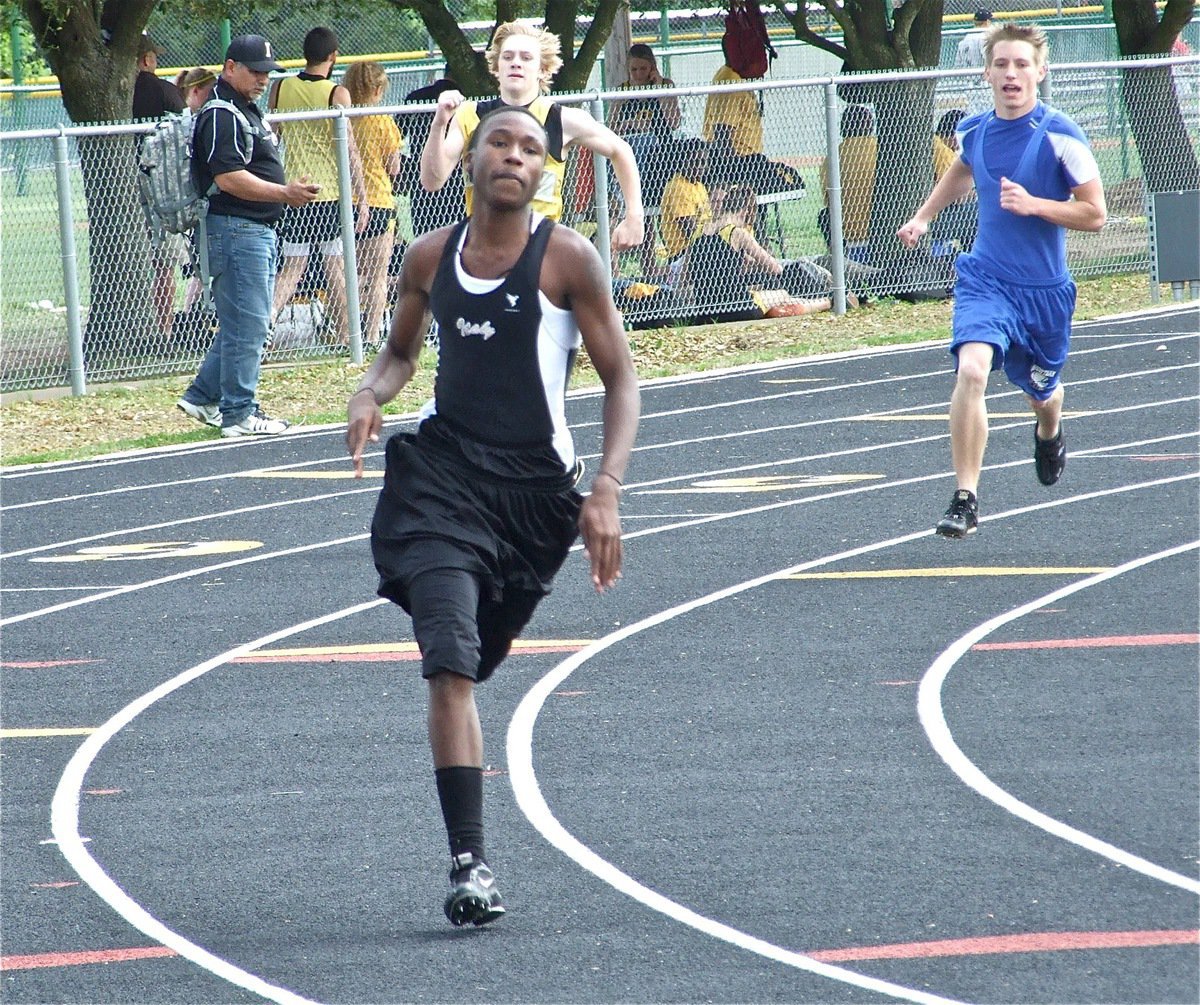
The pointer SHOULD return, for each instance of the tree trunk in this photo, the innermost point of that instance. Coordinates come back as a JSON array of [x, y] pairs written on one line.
[[1168, 157], [97, 86], [904, 169], [121, 319], [1163, 144]]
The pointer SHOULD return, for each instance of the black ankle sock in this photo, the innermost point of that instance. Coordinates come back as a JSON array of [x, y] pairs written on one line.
[[460, 790]]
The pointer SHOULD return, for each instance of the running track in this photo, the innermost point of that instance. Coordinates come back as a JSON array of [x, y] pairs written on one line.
[[806, 751]]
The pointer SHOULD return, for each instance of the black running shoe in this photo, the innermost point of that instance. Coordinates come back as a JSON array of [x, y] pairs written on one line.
[[962, 518], [474, 898], [1049, 456]]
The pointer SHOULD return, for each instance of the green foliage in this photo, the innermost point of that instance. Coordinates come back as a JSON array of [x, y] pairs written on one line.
[[31, 62]]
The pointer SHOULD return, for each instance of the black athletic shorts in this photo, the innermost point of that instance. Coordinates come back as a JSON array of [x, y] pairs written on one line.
[[438, 512], [316, 223], [379, 221]]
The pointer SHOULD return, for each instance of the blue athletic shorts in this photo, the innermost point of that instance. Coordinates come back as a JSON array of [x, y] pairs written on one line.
[[1029, 327]]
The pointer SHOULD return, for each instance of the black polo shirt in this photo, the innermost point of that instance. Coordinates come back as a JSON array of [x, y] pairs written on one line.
[[154, 97], [219, 146]]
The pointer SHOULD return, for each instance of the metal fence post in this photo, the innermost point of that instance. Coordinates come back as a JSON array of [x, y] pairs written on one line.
[[833, 198], [600, 170], [341, 131], [66, 233]]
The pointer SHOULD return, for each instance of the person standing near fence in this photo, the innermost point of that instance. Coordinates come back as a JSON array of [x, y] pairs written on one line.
[[378, 140], [970, 46], [524, 59], [1036, 178], [310, 153], [153, 98], [429, 210], [245, 166], [479, 507]]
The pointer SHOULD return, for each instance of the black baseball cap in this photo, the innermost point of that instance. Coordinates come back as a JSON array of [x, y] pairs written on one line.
[[983, 14], [252, 51], [147, 44]]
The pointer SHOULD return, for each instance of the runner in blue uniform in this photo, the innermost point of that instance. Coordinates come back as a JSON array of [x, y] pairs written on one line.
[[479, 507], [1036, 178]]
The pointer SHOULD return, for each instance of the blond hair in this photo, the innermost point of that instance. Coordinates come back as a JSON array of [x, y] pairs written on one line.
[[363, 80], [547, 42], [197, 76], [1030, 33]]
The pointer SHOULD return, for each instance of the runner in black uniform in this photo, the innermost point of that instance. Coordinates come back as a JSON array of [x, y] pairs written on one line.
[[479, 508]]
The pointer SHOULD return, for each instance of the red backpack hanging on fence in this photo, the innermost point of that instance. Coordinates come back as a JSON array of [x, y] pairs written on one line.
[[747, 45]]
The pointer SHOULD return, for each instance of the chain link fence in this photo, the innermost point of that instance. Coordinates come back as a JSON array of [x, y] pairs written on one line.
[[88, 296]]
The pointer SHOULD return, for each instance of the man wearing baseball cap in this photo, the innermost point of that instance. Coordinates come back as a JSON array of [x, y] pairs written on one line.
[[153, 97], [970, 49], [236, 151], [253, 52]]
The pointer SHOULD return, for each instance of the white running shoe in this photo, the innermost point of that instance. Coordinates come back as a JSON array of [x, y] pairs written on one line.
[[257, 423], [210, 415]]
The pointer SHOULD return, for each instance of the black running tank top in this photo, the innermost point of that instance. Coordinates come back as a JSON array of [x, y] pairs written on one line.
[[502, 373]]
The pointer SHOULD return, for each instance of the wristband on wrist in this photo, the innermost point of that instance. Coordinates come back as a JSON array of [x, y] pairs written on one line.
[[367, 388], [620, 483]]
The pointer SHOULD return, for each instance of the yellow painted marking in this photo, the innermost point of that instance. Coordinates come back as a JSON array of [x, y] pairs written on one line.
[[945, 416], [955, 570], [335, 475], [763, 483], [152, 549], [21, 734], [404, 647]]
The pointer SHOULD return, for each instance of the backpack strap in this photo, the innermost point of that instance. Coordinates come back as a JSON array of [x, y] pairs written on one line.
[[245, 129]]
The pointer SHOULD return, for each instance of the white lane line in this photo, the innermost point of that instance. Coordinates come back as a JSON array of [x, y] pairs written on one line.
[[523, 777], [662, 529], [941, 372], [183, 521], [177, 483], [933, 719], [64, 818], [177, 576]]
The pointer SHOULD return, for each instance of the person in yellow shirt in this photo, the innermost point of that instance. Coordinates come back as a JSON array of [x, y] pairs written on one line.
[[732, 123], [378, 140], [309, 154], [686, 209], [957, 225], [858, 152]]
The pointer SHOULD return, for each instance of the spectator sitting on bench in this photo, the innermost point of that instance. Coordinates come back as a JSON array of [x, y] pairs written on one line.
[[857, 153], [686, 209], [648, 126], [734, 278], [957, 225]]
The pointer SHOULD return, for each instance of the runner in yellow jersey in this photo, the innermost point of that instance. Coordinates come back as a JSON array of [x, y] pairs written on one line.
[[524, 59]]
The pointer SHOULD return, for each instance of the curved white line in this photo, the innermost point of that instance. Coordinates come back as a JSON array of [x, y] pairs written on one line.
[[528, 793], [533, 804], [64, 818], [933, 719]]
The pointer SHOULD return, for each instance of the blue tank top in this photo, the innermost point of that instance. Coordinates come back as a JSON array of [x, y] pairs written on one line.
[[1026, 250]]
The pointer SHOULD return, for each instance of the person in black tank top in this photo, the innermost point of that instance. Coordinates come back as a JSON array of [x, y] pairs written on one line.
[[479, 507]]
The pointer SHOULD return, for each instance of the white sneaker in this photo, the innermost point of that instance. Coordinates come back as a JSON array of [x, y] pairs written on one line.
[[257, 423], [210, 415]]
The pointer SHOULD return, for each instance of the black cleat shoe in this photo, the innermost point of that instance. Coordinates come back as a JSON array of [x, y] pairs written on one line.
[[962, 518], [1049, 456], [474, 898]]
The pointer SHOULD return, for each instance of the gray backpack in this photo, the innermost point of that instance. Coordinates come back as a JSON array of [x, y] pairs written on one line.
[[167, 185]]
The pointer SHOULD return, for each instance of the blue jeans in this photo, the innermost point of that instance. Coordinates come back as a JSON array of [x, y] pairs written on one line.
[[242, 256]]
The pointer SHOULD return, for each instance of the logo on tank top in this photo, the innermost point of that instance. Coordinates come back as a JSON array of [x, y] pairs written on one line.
[[484, 330], [512, 307]]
